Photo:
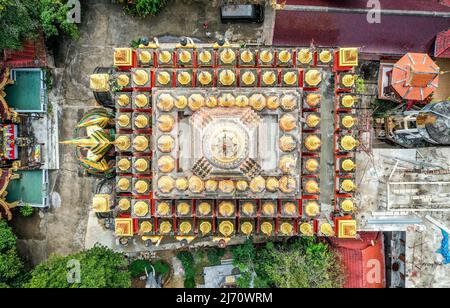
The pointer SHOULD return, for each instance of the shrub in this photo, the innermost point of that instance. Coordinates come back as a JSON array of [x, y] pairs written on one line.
[[187, 260], [26, 210], [215, 255], [137, 268], [143, 8]]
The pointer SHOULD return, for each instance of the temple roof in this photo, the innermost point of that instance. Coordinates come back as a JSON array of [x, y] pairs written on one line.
[[442, 47]]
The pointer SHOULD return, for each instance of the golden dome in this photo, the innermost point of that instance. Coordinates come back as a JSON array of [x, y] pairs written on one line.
[[226, 228], [99, 82], [348, 101], [123, 143], [166, 143], [242, 101], [227, 56], [348, 121], [140, 143], [196, 101], [146, 227], [325, 56], [286, 228], [227, 77], [312, 209], [306, 229], [226, 208], [163, 209], [304, 56], [141, 186], [165, 227], [141, 165], [165, 123], [184, 56], [266, 228], [166, 184], [211, 101], [313, 99], [123, 80], [269, 209], [205, 56], [287, 184], [312, 187], [123, 120], [241, 185], [266, 56], [288, 122], [165, 102], [141, 100], [181, 184], [140, 77], [165, 56], [287, 143], [163, 77], [348, 80], [166, 164], [326, 229], [211, 185], [205, 227], [226, 186], [248, 208], [290, 208], [145, 57], [123, 100], [124, 204], [284, 56], [348, 185], [348, 165], [140, 209], [348, 143], [226, 100], [312, 120], [185, 227], [288, 102], [347, 205], [273, 102], [141, 121], [272, 184], [204, 208], [100, 205], [183, 208], [247, 56], [257, 184], [312, 165], [247, 228], [123, 184], [205, 78], [313, 77], [184, 78], [269, 78], [287, 164], [257, 102], [124, 164], [181, 102], [196, 185], [313, 143], [290, 78], [248, 78]]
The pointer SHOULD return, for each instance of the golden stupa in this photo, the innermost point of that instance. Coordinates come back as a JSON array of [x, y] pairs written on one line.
[[166, 164], [312, 142], [184, 78], [247, 228], [165, 122], [205, 78], [257, 184], [226, 208], [211, 101], [227, 100], [269, 209], [247, 56], [163, 78], [348, 185], [248, 208], [304, 56], [266, 228], [348, 101], [286, 228], [287, 143], [124, 204], [204, 208], [183, 208], [348, 80], [325, 56], [258, 102], [287, 164], [290, 208], [196, 101], [181, 102], [146, 227], [166, 143], [287, 184], [166, 184], [196, 185], [347, 205], [163, 209], [205, 227], [145, 56], [99, 82], [227, 56], [313, 78], [288, 122], [123, 80], [290, 78], [184, 56], [242, 101], [227, 77], [165, 227], [123, 143], [306, 229], [100, 204], [141, 164], [326, 229], [185, 227], [349, 143], [140, 143], [241, 185], [348, 121], [226, 186], [272, 184], [165, 56], [312, 209], [165, 102], [312, 120], [269, 78], [204, 57], [348, 165], [141, 121], [124, 164], [226, 228], [141, 186], [141, 100], [123, 100], [211, 185], [312, 165], [123, 120], [288, 102], [248, 78], [140, 209], [273, 102], [284, 56], [140, 77], [181, 184], [124, 184], [266, 56], [312, 187], [313, 100]]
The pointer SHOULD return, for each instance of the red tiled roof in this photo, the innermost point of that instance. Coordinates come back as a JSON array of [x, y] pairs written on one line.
[[442, 47], [32, 54]]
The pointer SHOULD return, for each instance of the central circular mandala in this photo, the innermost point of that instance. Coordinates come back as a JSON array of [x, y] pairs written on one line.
[[225, 144]]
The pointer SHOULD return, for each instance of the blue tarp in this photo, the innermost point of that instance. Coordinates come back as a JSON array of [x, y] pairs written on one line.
[[444, 248]]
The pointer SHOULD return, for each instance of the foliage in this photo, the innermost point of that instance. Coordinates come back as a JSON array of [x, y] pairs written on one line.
[[187, 260], [360, 85], [54, 21], [100, 267], [137, 268], [143, 8], [27, 210], [11, 266], [215, 255]]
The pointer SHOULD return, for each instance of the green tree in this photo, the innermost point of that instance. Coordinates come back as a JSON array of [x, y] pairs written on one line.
[[53, 19], [143, 8], [100, 267], [26, 210], [187, 260], [11, 265]]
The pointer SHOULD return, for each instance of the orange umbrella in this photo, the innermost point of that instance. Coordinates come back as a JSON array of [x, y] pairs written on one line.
[[415, 76]]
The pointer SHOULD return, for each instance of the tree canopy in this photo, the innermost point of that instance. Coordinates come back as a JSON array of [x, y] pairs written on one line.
[[11, 265]]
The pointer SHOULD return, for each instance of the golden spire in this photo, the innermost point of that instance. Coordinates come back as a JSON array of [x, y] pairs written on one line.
[[248, 78], [246, 56], [123, 120], [348, 185], [269, 78], [141, 121], [306, 229], [349, 143], [226, 228], [140, 143], [286, 228], [227, 77], [204, 208], [312, 120], [226, 208], [185, 227], [181, 184], [247, 228], [163, 77], [304, 56], [348, 80], [141, 165], [348, 101], [325, 56], [196, 101], [290, 78], [266, 228], [266, 56], [313, 142], [181, 102], [312, 209], [205, 227], [165, 227], [205, 56], [313, 78], [165, 56], [348, 121], [184, 56], [348, 165], [204, 78], [312, 187], [312, 165], [347, 205], [140, 77], [288, 122], [141, 100], [326, 229], [227, 56], [145, 56], [184, 78], [124, 164], [141, 208], [141, 187]]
